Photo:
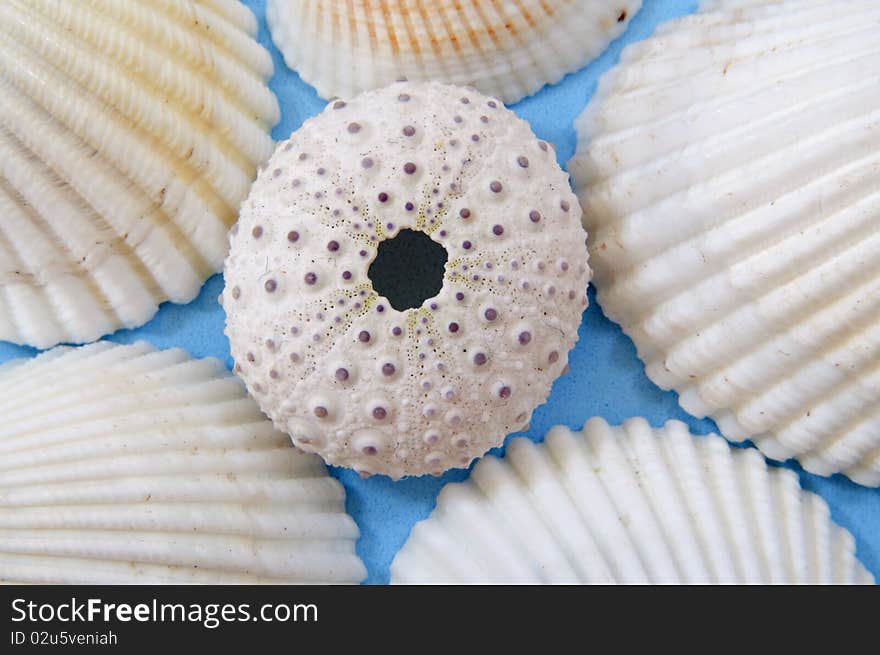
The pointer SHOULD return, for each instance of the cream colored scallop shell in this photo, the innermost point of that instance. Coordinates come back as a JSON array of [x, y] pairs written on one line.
[[729, 170], [628, 505], [130, 131], [505, 48], [127, 464]]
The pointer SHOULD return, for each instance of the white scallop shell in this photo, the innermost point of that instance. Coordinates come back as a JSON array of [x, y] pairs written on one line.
[[628, 505], [126, 464], [129, 134], [729, 170], [417, 390], [505, 48]]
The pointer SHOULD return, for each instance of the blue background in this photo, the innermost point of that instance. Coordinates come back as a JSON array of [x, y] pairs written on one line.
[[606, 378]]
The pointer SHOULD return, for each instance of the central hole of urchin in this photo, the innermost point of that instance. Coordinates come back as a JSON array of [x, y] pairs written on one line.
[[408, 269]]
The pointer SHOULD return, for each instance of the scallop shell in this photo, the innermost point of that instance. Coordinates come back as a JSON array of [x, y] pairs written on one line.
[[728, 170], [505, 48], [365, 380], [129, 134], [127, 464], [628, 505]]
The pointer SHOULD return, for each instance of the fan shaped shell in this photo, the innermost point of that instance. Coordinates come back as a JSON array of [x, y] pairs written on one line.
[[505, 48], [629, 505], [129, 134], [130, 465], [729, 175]]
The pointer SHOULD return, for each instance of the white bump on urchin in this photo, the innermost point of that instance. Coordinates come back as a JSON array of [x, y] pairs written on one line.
[[434, 386]]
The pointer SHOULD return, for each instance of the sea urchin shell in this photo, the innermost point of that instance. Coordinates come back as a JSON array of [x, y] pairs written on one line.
[[125, 464], [129, 134], [505, 48], [628, 505], [420, 387], [729, 170]]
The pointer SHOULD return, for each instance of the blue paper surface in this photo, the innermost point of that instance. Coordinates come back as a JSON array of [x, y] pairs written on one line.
[[606, 379]]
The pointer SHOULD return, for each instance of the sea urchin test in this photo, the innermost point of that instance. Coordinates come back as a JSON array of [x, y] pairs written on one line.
[[406, 279], [130, 132], [505, 48], [628, 505], [124, 464], [728, 170]]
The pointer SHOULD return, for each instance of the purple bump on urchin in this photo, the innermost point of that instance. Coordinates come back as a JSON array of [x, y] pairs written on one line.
[[392, 382]]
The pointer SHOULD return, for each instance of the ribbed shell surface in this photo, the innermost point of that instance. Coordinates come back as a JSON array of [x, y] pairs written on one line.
[[628, 505], [729, 171], [130, 131], [131, 465], [505, 48]]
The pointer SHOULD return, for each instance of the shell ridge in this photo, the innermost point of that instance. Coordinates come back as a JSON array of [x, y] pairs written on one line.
[[833, 141], [73, 176], [740, 556], [64, 358], [499, 485], [794, 86], [482, 523], [562, 510], [65, 248], [826, 373], [258, 490], [788, 211], [686, 455], [110, 79], [809, 335], [757, 491], [591, 481], [754, 524], [215, 29], [141, 42], [235, 12], [843, 546], [667, 65], [59, 239], [846, 238], [198, 496], [623, 476], [74, 93], [564, 448], [505, 48], [80, 446], [530, 478], [793, 534], [306, 523], [443, 558], [143, 464], [854, 449], [67, 391], [227, 552], [652, 460], [482, 17], [21, 325]]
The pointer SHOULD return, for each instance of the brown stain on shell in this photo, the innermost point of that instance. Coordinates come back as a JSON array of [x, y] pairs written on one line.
[[496, 19]]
